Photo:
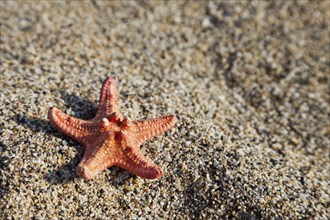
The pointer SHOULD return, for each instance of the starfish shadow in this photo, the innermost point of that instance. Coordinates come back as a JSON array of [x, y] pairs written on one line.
[[83, 108]]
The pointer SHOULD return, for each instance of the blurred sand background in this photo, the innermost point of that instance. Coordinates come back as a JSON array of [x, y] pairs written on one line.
[[248, 81]]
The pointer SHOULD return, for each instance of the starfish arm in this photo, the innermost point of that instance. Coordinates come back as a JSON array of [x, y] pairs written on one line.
[[108, 99], [98, 157], [136, 163], [77, 129], [146, 130]]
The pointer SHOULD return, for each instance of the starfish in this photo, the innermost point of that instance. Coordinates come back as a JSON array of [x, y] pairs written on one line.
[[111, 140]]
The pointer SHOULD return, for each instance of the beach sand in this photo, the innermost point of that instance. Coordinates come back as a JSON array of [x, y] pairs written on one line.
[[248, 82]]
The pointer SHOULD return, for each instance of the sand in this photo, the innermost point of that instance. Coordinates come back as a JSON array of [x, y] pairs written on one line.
[[248, 82]]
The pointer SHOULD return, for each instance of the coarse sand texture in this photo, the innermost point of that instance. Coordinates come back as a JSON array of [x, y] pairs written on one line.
[[247, 80]]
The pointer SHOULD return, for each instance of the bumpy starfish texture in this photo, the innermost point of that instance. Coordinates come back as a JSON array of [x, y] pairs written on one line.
[[111, 140]]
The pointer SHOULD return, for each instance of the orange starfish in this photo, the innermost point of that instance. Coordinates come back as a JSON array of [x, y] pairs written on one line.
[[111, 140]]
